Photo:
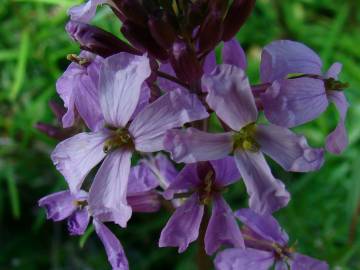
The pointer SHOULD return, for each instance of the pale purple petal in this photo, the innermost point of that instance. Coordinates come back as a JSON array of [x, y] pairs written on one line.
[[337, 140], [59, 205], [226, 171], [249, 259], [222, 228], [294, 102], [165, 84], [229, 95], [172, 110], [144, 202], [233, 54], [302, 262], [186, 180], [288, 149], [264, 225], [107, 195], [144, 98], [334, 71], [76, 156], [267, 194], [141, 179], [85, 12], [209, 62], [191, 145], [64, 87], [284, 57], [121, 78], [281, 265], [114, 250], [183, 226], [78, 222]]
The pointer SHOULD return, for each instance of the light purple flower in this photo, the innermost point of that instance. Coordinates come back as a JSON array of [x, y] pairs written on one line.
[[205, 181], [267, 245], [229, 95], [78, 88], [85, 12], [121, 80], [294, 101]]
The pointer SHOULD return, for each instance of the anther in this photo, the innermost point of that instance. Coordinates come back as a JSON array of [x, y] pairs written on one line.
[[78, 60]]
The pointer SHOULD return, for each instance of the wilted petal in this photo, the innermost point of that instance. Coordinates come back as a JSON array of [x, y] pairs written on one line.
[[78, 222], [141, 179], [222, 228], [294, 102], [59, 205], [85, 12], [114, 250], [267, 194], [249, 259], [191, 145], [284, 57], [76, 156], [121, 78], [144, 202], [233, 54], [229, 95], [107, 196], [337, 140], [226, 171], [264, 225], [172, 110], [288, 149], [302, 262], [183, 226], [209, 62]]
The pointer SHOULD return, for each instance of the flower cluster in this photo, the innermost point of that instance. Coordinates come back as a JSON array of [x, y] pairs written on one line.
[[156, 96]]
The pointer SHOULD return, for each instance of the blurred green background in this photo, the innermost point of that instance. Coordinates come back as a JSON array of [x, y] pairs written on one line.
[[33, 49]]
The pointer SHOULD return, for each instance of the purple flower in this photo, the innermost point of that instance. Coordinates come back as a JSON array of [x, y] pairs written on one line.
[[121, 80], [298, 91], [229, 95], [85, 12], [78, 88], [267, 244], [205, 181]]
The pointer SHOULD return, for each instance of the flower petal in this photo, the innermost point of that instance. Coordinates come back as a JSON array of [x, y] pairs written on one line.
[[141, 179], [172, 110], [121, 78], [334, 71], [281, 265], [76, 156], [114, 250], [302, 262], [264, 225], [183, 226], [294, 102], [222, 228], [144, 98], [337, 140], [59, 205], [288, 149], [229, 95], [78, 222], [191, 145], [249, 259], [267, 194], [226, 171], [144, 202], [165, 84], [233, 54], [284, 57], [107, 195], [85, 12], [209, 62]]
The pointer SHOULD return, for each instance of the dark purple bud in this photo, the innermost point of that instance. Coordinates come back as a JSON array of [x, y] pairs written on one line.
[[184, 62], [132, 10], [57, 110], [211, 31], [96, 40], [54, 132], [142, 39], [146, 202], [204, 169], [219, 5], [162, 31], [237, 14]]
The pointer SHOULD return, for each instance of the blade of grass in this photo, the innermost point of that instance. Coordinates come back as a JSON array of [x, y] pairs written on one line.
[[86, 236], [13, 193]]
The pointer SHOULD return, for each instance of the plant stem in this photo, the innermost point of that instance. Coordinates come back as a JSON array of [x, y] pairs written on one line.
[[172, 78], [203, 260], [353, 225]]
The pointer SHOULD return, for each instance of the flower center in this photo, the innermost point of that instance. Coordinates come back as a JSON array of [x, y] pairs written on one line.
[[245, 139], [119, 138], [82, 61], [80, 204]]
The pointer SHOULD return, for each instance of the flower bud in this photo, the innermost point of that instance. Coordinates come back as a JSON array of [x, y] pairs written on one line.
[[132, 10], [236, 17], [184, 62], [96, 40], [211, 31], [162, 31], [145, 202]]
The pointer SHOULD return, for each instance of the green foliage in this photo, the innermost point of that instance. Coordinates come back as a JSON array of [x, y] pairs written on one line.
[[33, 47]]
